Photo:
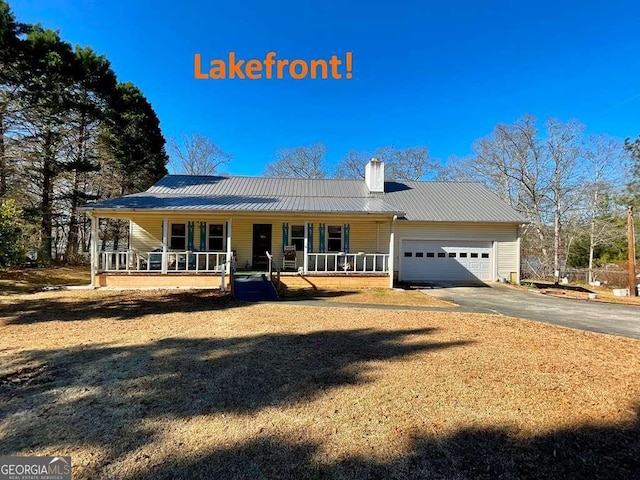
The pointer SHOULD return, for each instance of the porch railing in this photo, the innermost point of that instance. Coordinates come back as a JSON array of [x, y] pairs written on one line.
[[158, 261], [348, 263]]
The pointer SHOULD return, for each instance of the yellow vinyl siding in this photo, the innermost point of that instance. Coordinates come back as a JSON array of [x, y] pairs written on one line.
[[507, 258], [146, 233]]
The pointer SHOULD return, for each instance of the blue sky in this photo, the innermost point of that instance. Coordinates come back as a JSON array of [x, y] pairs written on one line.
[[439, 74]]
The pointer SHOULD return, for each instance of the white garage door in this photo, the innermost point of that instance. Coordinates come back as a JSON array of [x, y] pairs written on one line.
[[455, 260]]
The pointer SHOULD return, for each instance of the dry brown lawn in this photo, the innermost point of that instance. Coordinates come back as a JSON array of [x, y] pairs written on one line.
[[29, 279], [174, 384], [378, 296]]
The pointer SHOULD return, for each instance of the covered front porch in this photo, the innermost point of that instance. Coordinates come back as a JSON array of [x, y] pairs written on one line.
[[194, 247]]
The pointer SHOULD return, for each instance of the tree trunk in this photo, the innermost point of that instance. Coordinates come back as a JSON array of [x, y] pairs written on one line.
[[556, 246], [74, 234], [46, 224], [105, 236], [591, 262], [592, 234], [557, 199], [116, 234], [73, 239], [3, 160], [543, 250]]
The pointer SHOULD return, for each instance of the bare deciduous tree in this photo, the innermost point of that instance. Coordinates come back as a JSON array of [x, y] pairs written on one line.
[[411, 163], [195, 154], [564, 150], [306, 161], [510, 161], [540, 175], [352, 166], [605, 167]]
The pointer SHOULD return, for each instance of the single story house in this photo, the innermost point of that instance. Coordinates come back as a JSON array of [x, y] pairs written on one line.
[[195, 230]]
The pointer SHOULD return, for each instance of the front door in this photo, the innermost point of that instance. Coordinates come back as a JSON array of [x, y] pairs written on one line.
[[261, 245]]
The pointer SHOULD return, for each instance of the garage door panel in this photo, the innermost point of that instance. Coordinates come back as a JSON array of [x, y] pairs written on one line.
[[454, 260]]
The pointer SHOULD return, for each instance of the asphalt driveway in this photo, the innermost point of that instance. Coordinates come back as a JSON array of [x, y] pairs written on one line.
[[623, 320]]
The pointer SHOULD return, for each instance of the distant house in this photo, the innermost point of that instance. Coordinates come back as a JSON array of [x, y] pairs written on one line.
[[187, 229]]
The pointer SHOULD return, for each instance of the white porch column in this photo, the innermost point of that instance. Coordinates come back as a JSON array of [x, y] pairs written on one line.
[[229, 246], [305, 249], [93, 247], [165, 236], [517, 257], [392, 239]]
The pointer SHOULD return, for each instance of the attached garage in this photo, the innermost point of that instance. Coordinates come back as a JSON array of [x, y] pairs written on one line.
[[447, 260], [428, 252]]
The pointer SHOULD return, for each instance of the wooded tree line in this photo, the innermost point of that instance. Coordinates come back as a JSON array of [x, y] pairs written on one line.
[[69, 133], [309, 161], [574, 188]]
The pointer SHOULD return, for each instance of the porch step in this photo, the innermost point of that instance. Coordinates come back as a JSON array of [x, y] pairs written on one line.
[[253, 288]]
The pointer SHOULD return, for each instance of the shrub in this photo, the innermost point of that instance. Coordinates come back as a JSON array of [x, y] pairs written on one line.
[[11, 238]]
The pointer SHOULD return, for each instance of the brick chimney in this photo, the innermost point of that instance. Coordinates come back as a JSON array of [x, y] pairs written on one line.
[[374, 175]]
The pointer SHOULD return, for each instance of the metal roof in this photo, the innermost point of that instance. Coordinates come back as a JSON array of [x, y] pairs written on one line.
[[450, 202], [167, 201], [260, 186], [419, 201]]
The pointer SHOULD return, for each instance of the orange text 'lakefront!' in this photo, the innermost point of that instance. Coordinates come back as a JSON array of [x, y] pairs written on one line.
[[271, 67]]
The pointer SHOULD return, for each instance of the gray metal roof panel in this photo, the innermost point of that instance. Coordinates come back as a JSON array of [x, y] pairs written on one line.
[[164, 201], [418, 201], [450, 202], [259, 186]]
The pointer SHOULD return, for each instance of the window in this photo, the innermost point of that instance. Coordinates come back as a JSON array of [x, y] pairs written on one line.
[[463, 254], [178, 240], [407, 254], [430, 255], [485, 255], [452, 254], [419, 254], [215, 241], [334, 238], [441, 254], [474, 255], [297, 237]]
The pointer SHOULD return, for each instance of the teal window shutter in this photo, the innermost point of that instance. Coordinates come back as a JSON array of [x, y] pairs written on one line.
[[190, 229], [310, 237], [285, 235], [322, 232], [346, 237], [203, 236]]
